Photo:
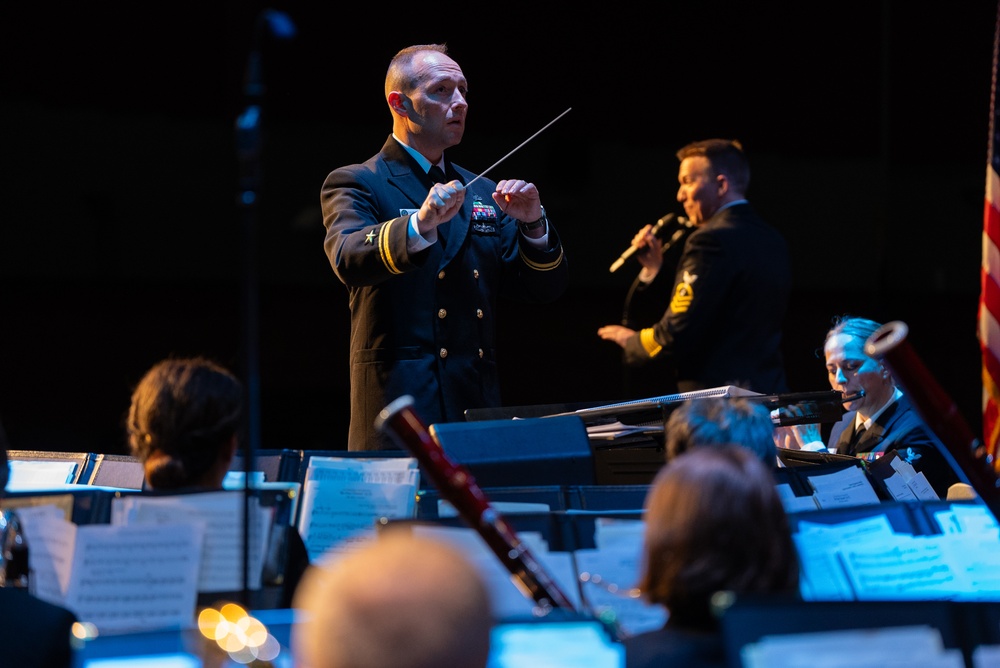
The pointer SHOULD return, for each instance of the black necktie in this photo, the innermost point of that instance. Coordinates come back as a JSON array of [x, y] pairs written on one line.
[[859, 433], [437, 174]]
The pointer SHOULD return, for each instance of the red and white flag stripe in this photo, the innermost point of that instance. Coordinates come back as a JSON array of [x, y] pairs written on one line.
[[989, 295]]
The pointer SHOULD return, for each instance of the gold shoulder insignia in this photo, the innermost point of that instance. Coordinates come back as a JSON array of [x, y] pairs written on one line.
[[683, 295]]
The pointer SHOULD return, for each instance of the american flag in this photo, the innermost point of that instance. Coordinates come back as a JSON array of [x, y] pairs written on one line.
[[989, 295]]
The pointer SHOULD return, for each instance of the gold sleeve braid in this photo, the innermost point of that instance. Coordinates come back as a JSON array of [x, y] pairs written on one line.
[[541, 266], [383, 248], [649, 342]]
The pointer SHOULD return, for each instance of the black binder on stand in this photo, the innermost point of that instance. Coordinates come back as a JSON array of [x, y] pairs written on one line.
[[532, 451]]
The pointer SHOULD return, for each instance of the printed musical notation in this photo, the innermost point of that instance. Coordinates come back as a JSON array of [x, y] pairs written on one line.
[[120, 578], [343, 498], [144, 570], [221, 513], [867, 560]]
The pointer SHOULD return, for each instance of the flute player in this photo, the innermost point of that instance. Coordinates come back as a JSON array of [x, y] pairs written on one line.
[[425, 258], [883, 419]]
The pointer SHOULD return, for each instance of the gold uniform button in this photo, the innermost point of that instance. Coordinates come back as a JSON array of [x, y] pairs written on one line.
[[479, 313], [444, 353], [442, 313], [441, 274], [475, 273], [480, 353]]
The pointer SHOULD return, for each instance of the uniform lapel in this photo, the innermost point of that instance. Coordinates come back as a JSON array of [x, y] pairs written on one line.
[[404, 173], [881, 426], [868, 439]]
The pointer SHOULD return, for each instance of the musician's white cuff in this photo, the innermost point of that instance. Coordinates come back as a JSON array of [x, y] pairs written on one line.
[[541, 242], [415, 242], [814, 446], [647, 275]]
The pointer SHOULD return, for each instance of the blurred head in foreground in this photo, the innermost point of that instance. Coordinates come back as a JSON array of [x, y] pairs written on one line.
[[400, 601], [719, 420], [714, 522]]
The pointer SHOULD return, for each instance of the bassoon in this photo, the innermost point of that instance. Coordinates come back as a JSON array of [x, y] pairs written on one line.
[[458, 487], [888, 344]]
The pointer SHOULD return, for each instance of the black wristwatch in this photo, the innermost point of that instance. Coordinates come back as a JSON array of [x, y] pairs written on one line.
[[531, 227]]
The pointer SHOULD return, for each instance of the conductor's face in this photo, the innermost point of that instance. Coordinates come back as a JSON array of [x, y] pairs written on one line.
[[437, 106]]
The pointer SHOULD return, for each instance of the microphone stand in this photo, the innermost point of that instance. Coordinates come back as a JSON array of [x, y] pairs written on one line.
[[248, 144], [248, 152]]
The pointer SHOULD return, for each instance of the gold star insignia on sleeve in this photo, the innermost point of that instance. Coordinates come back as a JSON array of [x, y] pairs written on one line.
[[370, 238]]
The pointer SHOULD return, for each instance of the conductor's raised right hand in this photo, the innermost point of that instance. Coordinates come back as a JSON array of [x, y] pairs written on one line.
[[443, 201]]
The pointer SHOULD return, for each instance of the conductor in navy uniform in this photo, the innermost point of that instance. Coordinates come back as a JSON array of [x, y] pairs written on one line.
[[425, 263]]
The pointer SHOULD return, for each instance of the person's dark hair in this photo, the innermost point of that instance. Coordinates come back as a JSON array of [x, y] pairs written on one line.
[[726, 157], [400, 75], [714, 522], [861, 328], [720, 420], [184, 413], [850, 325]]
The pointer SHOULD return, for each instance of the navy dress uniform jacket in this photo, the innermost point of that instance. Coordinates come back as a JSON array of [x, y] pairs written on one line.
[[898, 428], [725, 319], [424, 323]]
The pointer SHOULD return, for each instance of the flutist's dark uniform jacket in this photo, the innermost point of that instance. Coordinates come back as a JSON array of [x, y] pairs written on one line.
[[424, 323], [898, 428], [724, 322]]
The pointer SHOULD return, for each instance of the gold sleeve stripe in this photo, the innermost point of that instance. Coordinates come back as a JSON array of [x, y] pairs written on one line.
[[649, 342], [384, 250], [541, 266]]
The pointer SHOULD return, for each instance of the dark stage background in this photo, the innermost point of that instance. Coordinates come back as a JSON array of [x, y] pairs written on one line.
[[121, 242]]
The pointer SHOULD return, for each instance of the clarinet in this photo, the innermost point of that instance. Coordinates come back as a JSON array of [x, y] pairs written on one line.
[[457, 485], [889, 343]]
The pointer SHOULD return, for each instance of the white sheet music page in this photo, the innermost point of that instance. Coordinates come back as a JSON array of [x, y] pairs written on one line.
[[917, 483], [897, 487], [609, 575], [867, 560], [819, 545], [222, 513], [136, 577], [506, 597], [795, 504], [343, 498], [895, 647], [51, 539], [120, 578], [901, 568], [848, 487], [972, 518]]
